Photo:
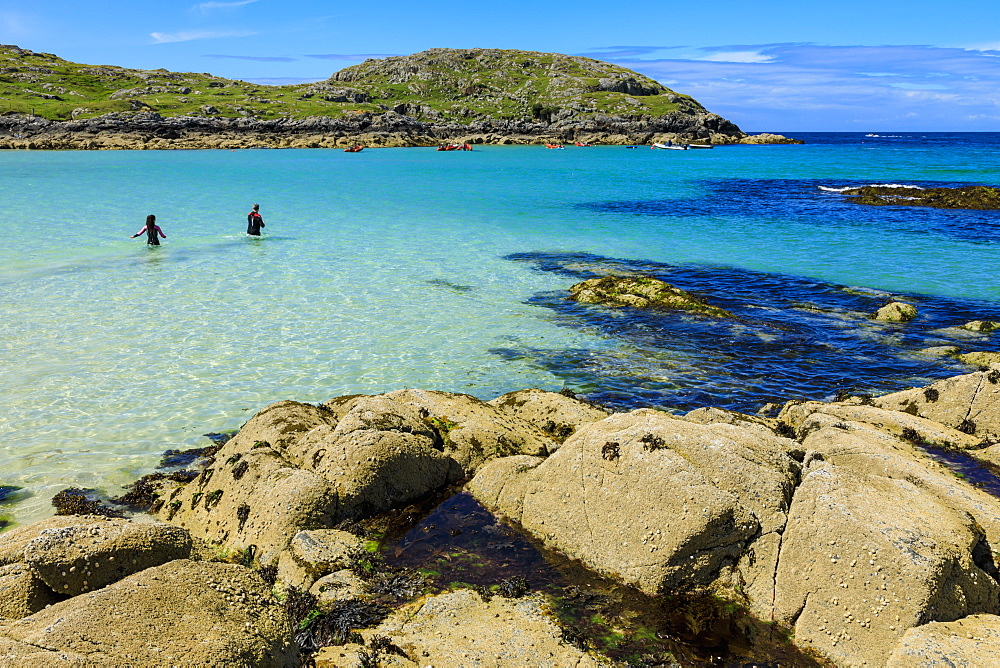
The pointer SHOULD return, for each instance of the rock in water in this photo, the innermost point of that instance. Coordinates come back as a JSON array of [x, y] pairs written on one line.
[[970, 197], [641, 292], [896, 312]]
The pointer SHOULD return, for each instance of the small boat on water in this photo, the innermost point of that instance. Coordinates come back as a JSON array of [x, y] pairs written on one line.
[[357, 148], [454, 147], [583, 143], [669, 146], [700, 146], [554, 146]]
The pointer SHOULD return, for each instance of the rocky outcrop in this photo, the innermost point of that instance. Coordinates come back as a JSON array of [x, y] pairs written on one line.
[[849, 534], [968, 197], [641, 292], [297, 467]]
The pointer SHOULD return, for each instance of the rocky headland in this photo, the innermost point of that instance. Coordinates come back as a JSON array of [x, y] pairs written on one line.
[[476, 96], [832, 524]]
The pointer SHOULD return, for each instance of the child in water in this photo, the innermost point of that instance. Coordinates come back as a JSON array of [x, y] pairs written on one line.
[[151, 229]]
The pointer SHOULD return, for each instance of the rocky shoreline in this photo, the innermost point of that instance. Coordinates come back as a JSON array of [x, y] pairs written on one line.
[[148, 130], [829, 522]]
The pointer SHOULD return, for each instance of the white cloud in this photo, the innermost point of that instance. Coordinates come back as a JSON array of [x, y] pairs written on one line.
[[737, 57], [187, 36]]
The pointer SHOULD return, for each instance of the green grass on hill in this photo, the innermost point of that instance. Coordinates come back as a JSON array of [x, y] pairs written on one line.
[[436, 85]]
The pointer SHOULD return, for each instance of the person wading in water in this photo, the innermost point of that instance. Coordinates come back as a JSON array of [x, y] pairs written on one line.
[[152, 230], [254, 221]]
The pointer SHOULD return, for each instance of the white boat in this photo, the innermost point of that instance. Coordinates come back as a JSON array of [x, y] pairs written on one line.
[[672, 147], [700, 145]]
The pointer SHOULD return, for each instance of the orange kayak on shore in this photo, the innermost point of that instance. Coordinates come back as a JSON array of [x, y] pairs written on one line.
[[553, 146]]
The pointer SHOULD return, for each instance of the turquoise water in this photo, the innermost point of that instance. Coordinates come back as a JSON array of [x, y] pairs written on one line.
[[398, 268]]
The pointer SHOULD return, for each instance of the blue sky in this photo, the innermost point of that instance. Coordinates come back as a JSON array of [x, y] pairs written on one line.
[[768, 66]]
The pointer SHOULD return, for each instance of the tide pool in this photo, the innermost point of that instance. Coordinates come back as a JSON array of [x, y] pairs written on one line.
[[399, 268]]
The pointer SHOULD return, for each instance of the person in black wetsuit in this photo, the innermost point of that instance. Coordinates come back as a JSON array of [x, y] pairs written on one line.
[[152, 230], [254, 221]]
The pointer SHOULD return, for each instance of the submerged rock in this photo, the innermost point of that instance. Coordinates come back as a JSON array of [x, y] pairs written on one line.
[[641, 292], [968, 197], [982, 326], [982, 358]]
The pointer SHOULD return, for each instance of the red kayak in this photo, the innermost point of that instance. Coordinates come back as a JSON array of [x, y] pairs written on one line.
[[354, 149]]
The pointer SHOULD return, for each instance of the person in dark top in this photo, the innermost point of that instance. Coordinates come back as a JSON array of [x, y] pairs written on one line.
[[254, 221], [152, 230]]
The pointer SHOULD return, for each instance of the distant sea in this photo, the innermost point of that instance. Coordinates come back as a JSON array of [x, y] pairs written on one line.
[[395, 268]]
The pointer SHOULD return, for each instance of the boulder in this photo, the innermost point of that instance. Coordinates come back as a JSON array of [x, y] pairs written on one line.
[[659, 503], [864, 557], [557, 415], [313, 554], [254, 501], [340, 586], [501, 632], [966, 197], [182, 613], [13, 542], [22, 593], [969, 402], [468, 430], [641, 292], [896, 312], [75, 559], [969, 642]]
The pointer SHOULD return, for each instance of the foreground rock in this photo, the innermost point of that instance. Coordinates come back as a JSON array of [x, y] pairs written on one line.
[[296, 466], [641, 292], [969, 197], [460, 629], [849, 535], [181, 613]]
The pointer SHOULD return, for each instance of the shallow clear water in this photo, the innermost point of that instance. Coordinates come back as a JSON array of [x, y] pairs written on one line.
[[412, 268]]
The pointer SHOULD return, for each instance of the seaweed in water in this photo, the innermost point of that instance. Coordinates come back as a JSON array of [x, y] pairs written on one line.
[[514, 587], [144, 493], [76, 501], [175, 458]]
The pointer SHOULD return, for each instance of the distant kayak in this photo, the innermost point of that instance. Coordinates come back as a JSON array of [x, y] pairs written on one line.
[[357, 148], [583, 144], [554, 146], [454, 147]]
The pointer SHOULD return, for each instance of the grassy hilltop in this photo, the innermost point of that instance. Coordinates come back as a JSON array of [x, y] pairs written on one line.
[[439, 85]]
